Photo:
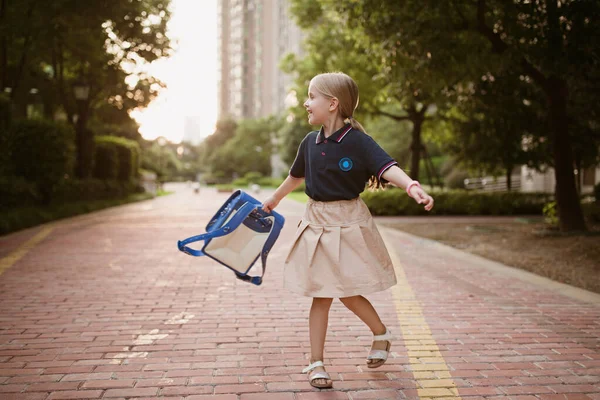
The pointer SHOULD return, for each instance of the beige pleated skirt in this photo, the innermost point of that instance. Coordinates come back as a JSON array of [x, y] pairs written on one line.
[[338, 252]]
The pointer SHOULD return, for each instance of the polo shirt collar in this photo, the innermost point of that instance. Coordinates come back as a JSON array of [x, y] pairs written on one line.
[[337, 136]]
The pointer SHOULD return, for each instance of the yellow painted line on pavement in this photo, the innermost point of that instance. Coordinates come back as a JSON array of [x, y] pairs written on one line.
[[426, 362], [9, 260]]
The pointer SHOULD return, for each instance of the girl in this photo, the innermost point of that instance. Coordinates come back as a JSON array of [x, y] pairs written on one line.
[[337, 250]]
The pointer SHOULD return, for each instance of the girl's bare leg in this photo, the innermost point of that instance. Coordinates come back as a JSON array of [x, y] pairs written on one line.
[[317, 322], [365, 311]]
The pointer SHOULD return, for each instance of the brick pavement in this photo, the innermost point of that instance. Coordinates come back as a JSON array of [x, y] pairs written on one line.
[[103, 306]]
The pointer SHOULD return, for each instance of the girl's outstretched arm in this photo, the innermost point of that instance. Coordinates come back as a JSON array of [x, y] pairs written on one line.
[[398, 178]]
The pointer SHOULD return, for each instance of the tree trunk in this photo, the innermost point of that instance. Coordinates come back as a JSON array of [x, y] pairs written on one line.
[[84, 144], [509, 178], [23, 59], [416, 145], [567, 200], [58, 59], [3, 48], [578, 172]]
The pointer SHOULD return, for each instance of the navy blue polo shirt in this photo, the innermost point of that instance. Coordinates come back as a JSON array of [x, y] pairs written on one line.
[[338, 167]]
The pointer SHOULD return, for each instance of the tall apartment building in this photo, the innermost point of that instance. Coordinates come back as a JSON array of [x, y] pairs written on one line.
[[192, 133], [253, 37]]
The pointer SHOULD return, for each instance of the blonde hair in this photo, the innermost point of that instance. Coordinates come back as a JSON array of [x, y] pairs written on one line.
[[343, 88]]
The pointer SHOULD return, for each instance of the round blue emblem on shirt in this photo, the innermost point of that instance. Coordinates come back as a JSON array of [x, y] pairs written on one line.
[[345, 164]]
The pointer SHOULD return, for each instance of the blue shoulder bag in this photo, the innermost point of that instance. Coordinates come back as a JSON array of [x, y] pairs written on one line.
[[237, 235]]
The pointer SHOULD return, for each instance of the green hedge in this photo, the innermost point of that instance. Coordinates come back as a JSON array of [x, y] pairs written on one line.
[[21, 206], [591, 211], [106, 161], [264, 182], [25, 217], [5, 112], [73, 190], [5, 120], [394, 201], [127, 155], [42, 152], [17, 192]]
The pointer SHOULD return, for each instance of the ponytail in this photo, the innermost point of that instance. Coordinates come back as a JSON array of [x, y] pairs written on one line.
[[355, 124], [374, 182]]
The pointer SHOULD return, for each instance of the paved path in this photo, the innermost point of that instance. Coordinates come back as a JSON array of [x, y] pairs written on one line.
[[103, 306]]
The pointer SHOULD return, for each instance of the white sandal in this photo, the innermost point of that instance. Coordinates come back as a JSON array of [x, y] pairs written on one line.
[[317, 375], [380, 355]]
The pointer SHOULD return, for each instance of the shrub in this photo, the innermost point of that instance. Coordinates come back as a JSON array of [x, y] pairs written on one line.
[[214, 178], [17, 192], [240, 182], [270, 182], [591, 211], [72, 190], [106, 162], [226, 187], [128, 155], [394, 201], [551, 213], [5, 117], [25, 217], [253, 177], [5, 112], [456, 179], [42, 152]]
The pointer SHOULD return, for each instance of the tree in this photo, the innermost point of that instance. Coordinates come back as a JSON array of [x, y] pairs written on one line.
[[291, 134], [108, 119], [554, 44], [224, 131], [492, 125], [392, 84], [249, 150], [58, 43]]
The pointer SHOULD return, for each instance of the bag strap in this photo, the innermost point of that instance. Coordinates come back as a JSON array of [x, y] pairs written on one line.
[[221, 214], [257, 280], [233, 223]]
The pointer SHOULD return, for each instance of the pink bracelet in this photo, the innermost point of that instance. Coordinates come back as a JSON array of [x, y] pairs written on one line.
[[411, 185]]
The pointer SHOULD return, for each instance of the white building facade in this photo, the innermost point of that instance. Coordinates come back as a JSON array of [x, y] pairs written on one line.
[[254, 35]]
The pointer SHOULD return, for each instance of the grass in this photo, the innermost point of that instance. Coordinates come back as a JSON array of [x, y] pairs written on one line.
[[161, 192], [573, 259], [26, 217], [298, 196]]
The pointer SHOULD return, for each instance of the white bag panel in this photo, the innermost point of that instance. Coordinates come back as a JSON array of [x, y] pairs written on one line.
[[239, 248]]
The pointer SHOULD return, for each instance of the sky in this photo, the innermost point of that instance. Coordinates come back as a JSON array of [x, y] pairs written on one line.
[[190, 74]]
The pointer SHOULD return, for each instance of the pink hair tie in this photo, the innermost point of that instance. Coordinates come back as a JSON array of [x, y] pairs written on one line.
[[413, 183]]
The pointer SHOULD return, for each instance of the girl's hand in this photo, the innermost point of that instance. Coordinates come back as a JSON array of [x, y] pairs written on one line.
[[421, 197], [270, 203]]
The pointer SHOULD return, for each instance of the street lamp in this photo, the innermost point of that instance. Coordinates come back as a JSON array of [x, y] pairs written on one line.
[[85, 144]]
